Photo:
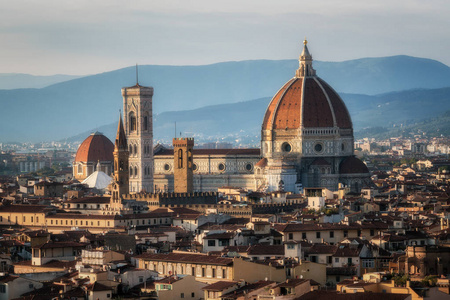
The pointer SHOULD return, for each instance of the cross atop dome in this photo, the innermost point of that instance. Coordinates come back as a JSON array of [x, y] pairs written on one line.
[[305, 68]]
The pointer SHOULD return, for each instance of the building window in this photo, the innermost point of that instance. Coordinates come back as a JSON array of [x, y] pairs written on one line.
[[318, 234], [180, 158], [345, 233], [331, 234], [286, 147], [2, 289], [221, 167], [318, 147], [372, 232], [303, 235], [192, 295], [203, 272], [80, 169], [193, 271], [336, 259], [166, 167], [211, 243], [214, 273], [249, 167], [182, 295], [132, 120], [224, 273], [368, 263], [291, 236], [145, 122]]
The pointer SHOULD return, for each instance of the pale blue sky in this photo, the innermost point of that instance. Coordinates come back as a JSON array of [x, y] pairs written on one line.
[[83, 37]]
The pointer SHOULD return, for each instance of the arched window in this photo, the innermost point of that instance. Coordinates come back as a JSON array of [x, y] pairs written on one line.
[[80, 169], [145, 127], [132, 120], [135, 150], [131, 149], [189, 158], [135, 171], [180, 158], [131, 171]]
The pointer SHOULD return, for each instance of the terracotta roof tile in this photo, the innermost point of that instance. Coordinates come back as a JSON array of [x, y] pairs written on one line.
[[95, 147]]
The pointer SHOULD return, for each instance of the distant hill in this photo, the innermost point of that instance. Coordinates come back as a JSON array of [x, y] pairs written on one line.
[[432, 127], [374, 116], [10, 81], [68, 108]]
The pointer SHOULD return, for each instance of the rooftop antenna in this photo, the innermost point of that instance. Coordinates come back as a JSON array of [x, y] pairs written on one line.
[[175, 133], [137, 75]]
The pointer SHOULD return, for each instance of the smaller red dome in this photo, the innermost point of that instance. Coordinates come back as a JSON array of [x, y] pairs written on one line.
[[352, 165], [96, 147]]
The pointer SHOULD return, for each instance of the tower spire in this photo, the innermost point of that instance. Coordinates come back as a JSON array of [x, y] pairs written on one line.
[[137, 75], [121, 138], [305, 68]]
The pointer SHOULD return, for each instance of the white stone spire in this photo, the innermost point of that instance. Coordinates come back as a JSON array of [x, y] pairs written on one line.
[[305, 68]]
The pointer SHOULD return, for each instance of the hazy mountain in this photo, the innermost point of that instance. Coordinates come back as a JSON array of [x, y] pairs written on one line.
[[9, 81], [78, 105], [378, 116], [433, 127]]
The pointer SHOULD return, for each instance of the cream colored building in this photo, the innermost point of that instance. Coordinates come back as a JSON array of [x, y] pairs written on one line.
[[179, 288], [210, 269]]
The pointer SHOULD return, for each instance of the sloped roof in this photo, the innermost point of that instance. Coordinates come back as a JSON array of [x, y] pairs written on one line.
[[98, 180]]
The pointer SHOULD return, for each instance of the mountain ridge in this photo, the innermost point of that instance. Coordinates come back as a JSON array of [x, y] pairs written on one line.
[[67, 108]]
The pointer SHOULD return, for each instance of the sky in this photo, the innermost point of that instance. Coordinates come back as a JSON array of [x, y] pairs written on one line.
[[81, 37]]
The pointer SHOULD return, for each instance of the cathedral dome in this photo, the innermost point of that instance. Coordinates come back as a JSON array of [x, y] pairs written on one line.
[[306, 101], [96, 147], [352, 165]]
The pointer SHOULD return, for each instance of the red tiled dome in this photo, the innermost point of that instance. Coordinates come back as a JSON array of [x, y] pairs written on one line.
[[322, 106], [352, 165], [306, 100], [96, 147]]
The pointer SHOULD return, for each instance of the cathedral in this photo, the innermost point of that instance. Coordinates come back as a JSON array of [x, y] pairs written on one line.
[[306, 141]]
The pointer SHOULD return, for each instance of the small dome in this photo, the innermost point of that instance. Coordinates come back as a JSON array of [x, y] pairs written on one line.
[[352, 165], [96, 147]]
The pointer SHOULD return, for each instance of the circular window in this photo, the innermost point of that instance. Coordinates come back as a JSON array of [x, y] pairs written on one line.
[[249, 167], [221, 167], [318, 147], [167, 167], [194, 167], [286, 147]]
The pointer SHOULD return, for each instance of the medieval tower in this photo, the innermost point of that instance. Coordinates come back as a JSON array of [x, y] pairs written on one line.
[[120, 185], [183, 176], [137, 108]]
